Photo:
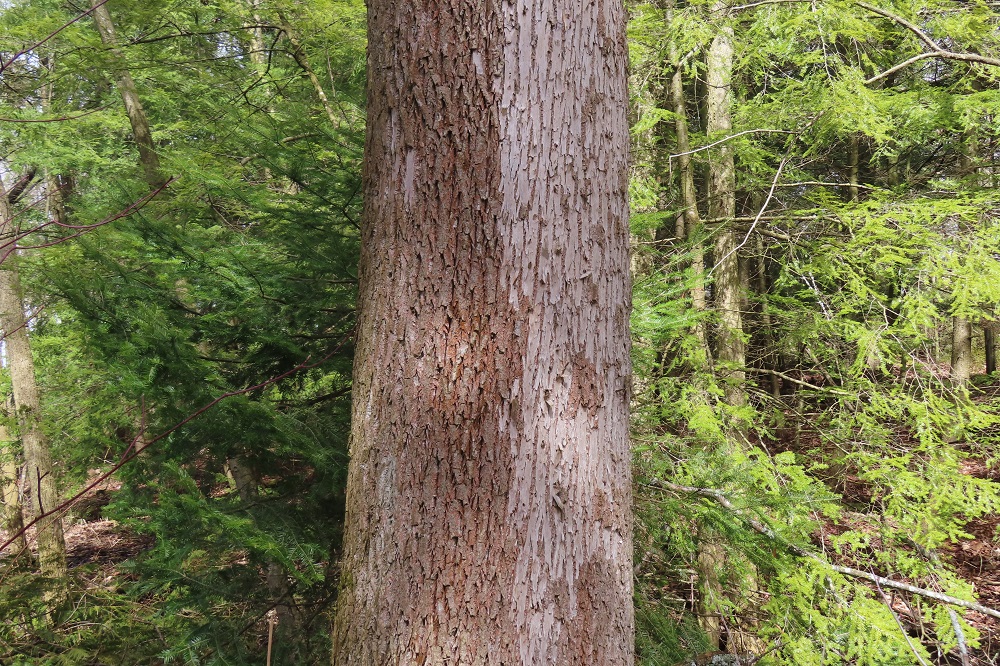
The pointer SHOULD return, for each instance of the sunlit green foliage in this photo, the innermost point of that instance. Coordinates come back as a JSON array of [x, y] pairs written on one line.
[[861, 442], [240, 273]]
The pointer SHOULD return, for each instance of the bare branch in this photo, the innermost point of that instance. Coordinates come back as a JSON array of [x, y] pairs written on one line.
[[139, 445], [823, 183], [729, 138], [936, 51], [804, 384], [763, 529], [921, 35], [5, 65], [751, 5]]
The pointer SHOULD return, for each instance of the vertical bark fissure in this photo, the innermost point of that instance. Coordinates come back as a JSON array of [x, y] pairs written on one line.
[[488, 508]]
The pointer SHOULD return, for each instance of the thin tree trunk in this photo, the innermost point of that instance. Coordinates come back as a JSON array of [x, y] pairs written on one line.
[[730, 347], [771, 358], [690, 222], [148, 157], [852, 167], [10, 489], [730, 353], [489, 491], [302, 60], [276, 580], [38, 472], [257, 48], [989, 339], [961, 339], [961, 351]]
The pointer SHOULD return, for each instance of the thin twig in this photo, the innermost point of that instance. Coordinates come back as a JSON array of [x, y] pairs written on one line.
[[729, 138], [902, 629], [756, 219], [807, 385]]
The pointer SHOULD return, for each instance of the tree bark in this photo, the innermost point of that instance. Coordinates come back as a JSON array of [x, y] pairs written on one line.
[[731, 351], [989, 340], [961, 352], [148, 157], [12, 518], [489, 490], [38, 472]]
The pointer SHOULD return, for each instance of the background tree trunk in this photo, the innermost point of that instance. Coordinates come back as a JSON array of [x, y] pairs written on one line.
[[961, 352], [10, 488], [989, 341], [38, 472], [731, 351], [148, 157], [488, 505], [690, 221]]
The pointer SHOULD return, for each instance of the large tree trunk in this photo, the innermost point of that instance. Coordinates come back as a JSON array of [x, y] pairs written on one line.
[[488, 506], [38, 473]]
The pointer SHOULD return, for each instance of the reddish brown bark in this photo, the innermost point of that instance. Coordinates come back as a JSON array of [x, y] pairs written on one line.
[[489, 490]]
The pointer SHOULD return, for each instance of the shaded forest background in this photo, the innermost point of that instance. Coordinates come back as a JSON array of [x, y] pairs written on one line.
[[817, 273]]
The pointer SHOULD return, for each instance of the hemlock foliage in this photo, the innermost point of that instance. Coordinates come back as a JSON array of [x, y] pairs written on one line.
[[867, 220], [239, 274]]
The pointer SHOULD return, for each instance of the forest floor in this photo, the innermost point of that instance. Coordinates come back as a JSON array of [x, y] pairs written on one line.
[[976, 560], [104, 545]]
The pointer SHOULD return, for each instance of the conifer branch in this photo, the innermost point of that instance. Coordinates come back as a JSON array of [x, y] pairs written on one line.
[[936, 51], [902, 629], [29, 49], [764, 530], [139, 444]]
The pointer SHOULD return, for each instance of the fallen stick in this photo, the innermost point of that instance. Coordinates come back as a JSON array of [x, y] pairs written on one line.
[[761, 528]]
